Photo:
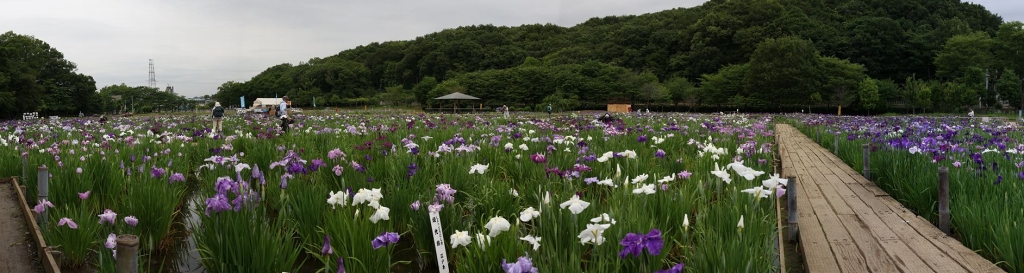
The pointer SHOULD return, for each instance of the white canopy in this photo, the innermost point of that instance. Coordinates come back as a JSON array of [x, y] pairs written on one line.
[[264, 102]]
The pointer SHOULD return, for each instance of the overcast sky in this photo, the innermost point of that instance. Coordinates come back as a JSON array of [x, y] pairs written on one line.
[[198, 45]]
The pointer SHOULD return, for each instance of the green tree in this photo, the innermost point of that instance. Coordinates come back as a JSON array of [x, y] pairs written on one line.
[[782, 69], [1009, 88], [868, 93], [888, 92], [841, 79], [918, 93], [681, 90], [722, 86], [36, 77], [962, 52], [423, 88], [1009, 46], [561, 101]]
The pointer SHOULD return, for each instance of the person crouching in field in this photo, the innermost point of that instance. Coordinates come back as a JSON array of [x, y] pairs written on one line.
[[283, 112], [218, 115]]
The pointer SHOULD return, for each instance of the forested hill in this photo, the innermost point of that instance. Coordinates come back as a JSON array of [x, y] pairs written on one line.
[[750, 53]]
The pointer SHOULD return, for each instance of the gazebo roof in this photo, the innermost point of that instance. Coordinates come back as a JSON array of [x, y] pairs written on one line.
[[456, 96]]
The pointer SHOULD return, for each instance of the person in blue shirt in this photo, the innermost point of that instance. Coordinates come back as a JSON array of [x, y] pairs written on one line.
[[283, 112]]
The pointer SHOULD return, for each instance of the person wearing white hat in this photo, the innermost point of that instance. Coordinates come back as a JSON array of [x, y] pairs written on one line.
[[218, 115]]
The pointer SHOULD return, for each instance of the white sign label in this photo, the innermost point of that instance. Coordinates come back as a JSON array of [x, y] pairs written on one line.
[[30, 116], [439, 247]]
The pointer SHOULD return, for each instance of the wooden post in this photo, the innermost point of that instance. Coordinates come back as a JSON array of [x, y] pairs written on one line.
[[775, 254], [42, 191], [24, 166], [867, 161], [127, 253], [794, 230], [944, 199], [836, 142]]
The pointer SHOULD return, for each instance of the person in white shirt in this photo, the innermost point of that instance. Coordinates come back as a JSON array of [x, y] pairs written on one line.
[[505, 108], [971, 113]]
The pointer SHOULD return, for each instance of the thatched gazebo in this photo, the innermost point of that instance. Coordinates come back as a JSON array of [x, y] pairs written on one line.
[[456, 97]]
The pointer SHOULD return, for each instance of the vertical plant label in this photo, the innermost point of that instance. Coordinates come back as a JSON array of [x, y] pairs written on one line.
[[439, 247]]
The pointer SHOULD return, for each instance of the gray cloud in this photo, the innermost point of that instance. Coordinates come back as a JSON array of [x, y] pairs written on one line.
[[198, 45]]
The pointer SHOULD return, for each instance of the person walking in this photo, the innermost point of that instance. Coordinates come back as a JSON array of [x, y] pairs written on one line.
[[549, 110], [505, 109], [282, 111], [218, 115], [971, 114]]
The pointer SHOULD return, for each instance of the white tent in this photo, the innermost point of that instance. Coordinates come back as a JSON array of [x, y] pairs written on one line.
[[264, 102]]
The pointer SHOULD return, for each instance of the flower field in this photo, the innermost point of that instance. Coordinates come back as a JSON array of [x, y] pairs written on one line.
[[986, 172], [354, 192]]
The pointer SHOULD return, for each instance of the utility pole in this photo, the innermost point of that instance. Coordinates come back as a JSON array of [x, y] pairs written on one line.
[[152, 75]]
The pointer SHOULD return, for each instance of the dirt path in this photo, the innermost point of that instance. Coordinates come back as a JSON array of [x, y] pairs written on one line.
[[16, 250]]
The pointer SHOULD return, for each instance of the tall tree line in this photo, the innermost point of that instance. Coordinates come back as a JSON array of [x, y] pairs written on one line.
[[35, 77], [712, 54]]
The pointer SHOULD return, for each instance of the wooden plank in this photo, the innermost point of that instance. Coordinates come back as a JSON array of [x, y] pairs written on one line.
[[900, 253], [818, 255], [947, 245], [846, 253], [876, 259], [865, 228]]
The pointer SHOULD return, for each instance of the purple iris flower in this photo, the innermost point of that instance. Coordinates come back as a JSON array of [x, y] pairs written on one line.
[[674, 269], [590, 180], [659, 154], [327, 249], [218, 203], [522, 265], [157, 172], [635, 243], [653, 242], [131, 220], [341, 265], [445, 193], [284, 180], [359, 168], [255, 171], [436, 207], [538, 158], [641, 138], [631, 244], [295, 167], [177, 177], [411, 169], [315, 164], [385, 239], [224, 184]]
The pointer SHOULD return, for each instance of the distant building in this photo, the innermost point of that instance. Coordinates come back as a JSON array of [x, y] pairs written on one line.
[[170, 89], [199, 100]]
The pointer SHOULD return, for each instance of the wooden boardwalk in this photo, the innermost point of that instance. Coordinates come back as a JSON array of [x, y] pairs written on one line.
[[847, 224]]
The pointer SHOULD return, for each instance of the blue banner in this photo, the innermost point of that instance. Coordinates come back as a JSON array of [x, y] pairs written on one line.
[[243, 101]]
